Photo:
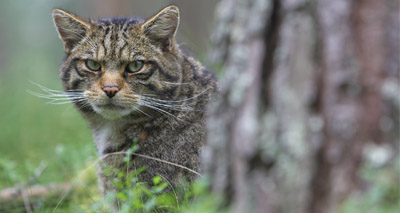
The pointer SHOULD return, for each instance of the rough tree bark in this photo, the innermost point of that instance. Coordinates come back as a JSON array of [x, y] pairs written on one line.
[[233, 140], [353, 72], [302, 95]]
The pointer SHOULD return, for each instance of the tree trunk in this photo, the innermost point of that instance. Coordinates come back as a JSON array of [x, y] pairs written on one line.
[[301, 97]]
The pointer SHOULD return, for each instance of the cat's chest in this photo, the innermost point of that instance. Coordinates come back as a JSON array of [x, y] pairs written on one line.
[[109, 136], [113, 136], [104, 136], [116, 136]]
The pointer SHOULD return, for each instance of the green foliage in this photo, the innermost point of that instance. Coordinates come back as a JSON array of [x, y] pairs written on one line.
[[134, 196], [131, 195], [382, 193]]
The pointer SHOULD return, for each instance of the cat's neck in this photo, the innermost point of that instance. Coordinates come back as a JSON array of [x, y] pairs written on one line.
[[111, 133]]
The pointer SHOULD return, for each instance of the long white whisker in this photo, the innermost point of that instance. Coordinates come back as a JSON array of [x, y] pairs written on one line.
[[52, 91], [76, 90], [177, 101], [166, 102], [173, 107], [66, 101], [47, 90], [158, 109], [59, 103], [59, 97], [141, 111], [174, 83], [164, 105], [56, 96]]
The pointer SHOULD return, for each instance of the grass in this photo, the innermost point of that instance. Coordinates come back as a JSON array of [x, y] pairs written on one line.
[[33, 132]]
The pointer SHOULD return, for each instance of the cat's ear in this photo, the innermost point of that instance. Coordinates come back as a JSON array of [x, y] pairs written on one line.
[[162, 27], [71, 28]]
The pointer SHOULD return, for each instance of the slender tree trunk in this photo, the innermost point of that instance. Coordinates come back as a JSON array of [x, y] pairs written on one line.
[[233, 144], [302, 96]]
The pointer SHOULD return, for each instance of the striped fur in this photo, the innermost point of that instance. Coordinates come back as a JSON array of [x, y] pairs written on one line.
[[162, 105]]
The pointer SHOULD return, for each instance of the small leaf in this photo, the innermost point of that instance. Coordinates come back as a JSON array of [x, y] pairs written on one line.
[[156, 180], [147, 191], [138, 171]]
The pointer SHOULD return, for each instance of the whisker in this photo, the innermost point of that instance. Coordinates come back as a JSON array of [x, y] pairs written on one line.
[[177, 83], [141, 111], [177, 101], [182, 107], [167, 102], [76, 90], [45, 88], [66, 101], [55, 91], [56, 96], [59, 97], [58, 103], [148, 95], [159, 110]]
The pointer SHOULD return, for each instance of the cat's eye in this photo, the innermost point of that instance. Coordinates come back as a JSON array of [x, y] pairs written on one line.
[[135, 66], [92, 65]]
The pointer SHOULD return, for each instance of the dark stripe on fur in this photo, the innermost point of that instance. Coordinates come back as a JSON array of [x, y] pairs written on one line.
[[104, 46], [149, 86], [170, 92], [104, 38], [84, 107], [66, 73], [122, 49], [75, 84], [166, 75], [166, 93], [81, 74]]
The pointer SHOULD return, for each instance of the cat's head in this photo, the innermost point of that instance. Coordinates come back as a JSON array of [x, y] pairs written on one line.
[[120, 64]]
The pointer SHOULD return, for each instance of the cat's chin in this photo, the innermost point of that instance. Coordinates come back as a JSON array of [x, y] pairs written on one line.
[[111, 114]]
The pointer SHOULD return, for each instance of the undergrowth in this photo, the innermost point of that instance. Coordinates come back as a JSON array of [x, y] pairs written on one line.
[[132, 195]]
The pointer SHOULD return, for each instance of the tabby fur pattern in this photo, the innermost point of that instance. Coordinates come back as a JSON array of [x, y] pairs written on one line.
[[161, 105]]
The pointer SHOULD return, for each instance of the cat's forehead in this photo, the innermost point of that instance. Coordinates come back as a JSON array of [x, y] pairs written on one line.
[[114, 38], [107, 26]]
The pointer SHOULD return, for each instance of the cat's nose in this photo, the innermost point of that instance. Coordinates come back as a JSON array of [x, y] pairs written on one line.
[[110, 90]]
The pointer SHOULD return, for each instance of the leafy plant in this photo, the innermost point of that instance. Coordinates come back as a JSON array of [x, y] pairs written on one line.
[[131, 195]]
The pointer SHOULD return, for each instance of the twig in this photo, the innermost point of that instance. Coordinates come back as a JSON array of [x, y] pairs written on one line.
[[26, 202], [14, 193]]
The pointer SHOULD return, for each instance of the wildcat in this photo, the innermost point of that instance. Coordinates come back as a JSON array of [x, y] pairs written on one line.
[[131, 81]]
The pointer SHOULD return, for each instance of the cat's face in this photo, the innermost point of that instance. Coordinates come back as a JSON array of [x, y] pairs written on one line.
[[119, 64]]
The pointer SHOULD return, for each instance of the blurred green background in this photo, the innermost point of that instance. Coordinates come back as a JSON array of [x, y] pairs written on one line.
[[34, 132]]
